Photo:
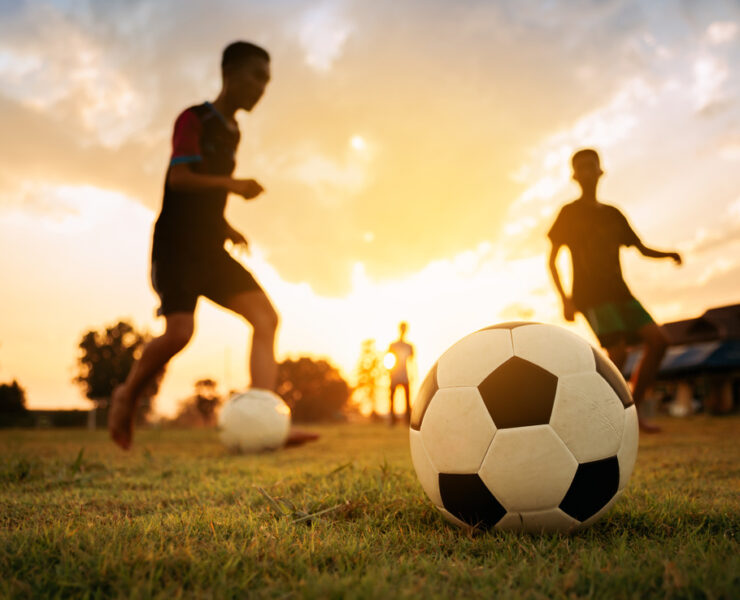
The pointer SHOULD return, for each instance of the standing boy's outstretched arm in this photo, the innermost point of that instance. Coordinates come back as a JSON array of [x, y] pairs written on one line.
[[568, 308], [652, 253]]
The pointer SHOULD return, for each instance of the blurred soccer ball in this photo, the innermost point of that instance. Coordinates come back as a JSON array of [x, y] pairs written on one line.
[[523, 426], [253, 421]]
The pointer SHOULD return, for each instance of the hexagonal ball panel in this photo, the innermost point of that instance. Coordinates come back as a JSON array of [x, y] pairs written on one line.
[[588, 416], [423, 397], [594, 485], [609, 505], [528, 468], [466, 497], [627, 454], [425, 471], [608, 370], [457, 430], [470, 360], [519, 394], [553, 348]]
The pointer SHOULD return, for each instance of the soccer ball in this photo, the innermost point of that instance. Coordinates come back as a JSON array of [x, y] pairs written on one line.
[[253, 421], [523, 426]]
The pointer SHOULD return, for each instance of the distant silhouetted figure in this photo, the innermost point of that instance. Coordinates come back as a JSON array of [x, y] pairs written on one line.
[[188, 255], [594, 233], [402, 353]]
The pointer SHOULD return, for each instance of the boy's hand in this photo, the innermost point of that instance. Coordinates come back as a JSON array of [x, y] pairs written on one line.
[[247, 188], [569, 309], [676, 257], [236, 238]]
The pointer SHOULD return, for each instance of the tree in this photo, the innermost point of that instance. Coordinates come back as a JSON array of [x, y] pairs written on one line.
[[314, 389], [370, 373], [12, 399], [199, 410], [105, 361], [13, 411]]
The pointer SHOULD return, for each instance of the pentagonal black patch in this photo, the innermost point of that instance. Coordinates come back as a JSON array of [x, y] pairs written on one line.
[[608, 370], [593, 485], [509, 325], [519, 393], [426, 392], [468, 498]]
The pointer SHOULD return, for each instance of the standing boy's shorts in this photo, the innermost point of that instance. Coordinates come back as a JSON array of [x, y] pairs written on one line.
[[614, 322], [179, 281]]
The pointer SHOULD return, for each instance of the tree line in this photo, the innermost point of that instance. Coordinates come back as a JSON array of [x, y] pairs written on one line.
[[313, 388]]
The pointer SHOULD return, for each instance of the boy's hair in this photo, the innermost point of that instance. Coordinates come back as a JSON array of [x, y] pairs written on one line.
[[237, 53], [583, 154]]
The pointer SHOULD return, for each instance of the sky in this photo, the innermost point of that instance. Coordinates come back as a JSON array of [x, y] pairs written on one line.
[[414, 156]]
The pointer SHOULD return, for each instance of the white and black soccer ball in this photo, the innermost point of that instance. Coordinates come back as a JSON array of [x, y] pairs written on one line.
[[253, 421], [523, 426]]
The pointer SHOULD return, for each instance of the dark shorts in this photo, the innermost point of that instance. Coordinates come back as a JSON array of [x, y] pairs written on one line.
[[399, 380], [180, 281], [614, 322]]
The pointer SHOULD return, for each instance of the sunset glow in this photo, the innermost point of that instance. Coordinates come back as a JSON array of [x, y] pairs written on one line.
[[412, 169]]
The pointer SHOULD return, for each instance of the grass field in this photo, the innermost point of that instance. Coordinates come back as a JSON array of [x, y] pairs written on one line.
[[344, 518]]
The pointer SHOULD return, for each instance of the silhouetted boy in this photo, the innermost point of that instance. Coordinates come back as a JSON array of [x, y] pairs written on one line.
[[594, 233], [402, 353], [188, 255]]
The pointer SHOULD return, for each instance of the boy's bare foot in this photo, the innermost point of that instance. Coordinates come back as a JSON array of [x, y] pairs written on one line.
[[298, 437], [121, 417], [647, 427]]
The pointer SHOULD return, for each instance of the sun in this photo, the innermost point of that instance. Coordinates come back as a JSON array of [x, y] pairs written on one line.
[[358, 142]]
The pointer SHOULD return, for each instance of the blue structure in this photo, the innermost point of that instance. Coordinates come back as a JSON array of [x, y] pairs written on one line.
[[702, 364]]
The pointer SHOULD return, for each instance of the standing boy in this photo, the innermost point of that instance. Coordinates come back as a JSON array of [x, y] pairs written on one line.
[[188, 255], [594, 233], [402, 353]]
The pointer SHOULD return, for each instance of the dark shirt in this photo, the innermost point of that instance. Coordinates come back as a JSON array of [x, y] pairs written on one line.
[[192, 223], [403, 351], [594, 233]]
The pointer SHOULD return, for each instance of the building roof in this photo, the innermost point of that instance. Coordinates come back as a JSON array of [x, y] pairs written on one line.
[[693, 359], [709, 343], [721, 323]]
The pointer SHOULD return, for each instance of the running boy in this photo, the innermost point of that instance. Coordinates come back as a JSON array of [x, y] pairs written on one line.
[[188, 255], [594, 233]]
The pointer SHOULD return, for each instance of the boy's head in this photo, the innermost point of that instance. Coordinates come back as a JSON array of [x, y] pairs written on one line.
[[402, 327], [586, 167], [245, 69]]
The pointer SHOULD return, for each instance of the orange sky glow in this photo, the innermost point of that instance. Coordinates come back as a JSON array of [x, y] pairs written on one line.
[[414, 155]]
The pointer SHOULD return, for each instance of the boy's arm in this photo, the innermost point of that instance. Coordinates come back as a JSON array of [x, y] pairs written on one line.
[[568, 308], [651, 253], [182, 178]]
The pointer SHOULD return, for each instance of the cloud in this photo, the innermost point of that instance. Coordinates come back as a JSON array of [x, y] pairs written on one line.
[[721, 32], [448, 112], [60, 66], [323, 32], [726, 233], [64, 208], [710, 74]]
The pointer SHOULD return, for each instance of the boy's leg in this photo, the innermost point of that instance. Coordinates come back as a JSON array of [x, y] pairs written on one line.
[[646, 371], [618, 353], [391, 411], [256, 308], [156, 354], [408, 402]]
